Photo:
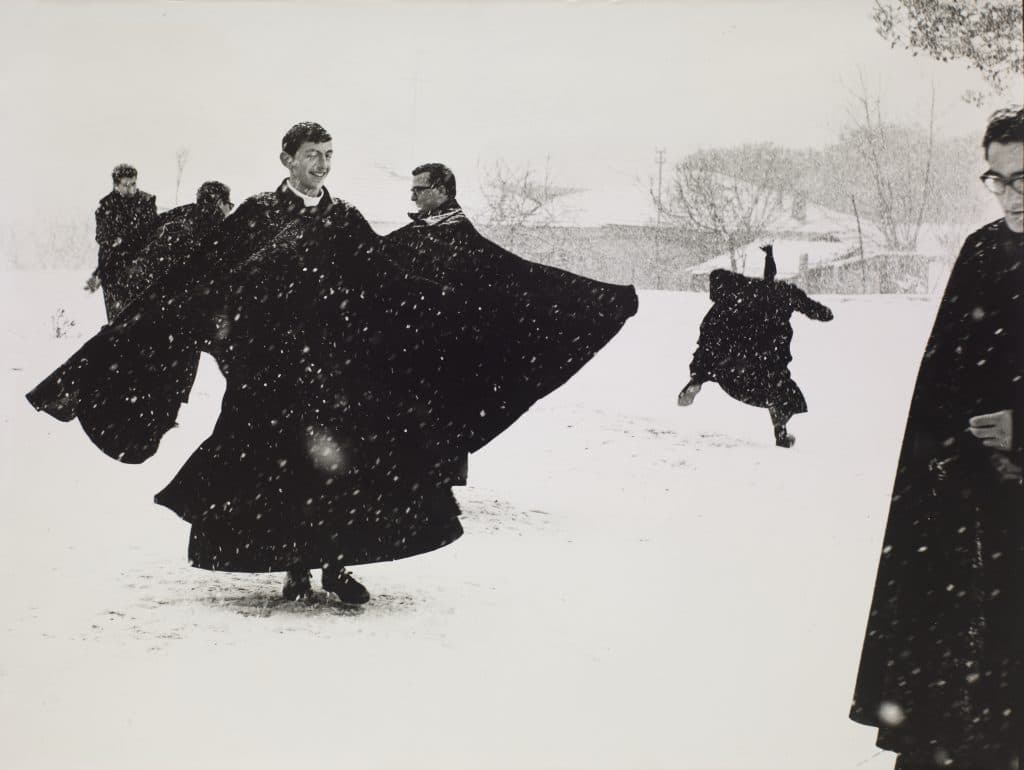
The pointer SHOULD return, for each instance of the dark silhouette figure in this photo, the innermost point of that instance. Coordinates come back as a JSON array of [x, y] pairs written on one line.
[[940, 670], [179, 235], [124, 219], [744, 343], [527, 327]]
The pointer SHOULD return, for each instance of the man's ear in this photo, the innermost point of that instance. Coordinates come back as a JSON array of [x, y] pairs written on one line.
[[286, 160]]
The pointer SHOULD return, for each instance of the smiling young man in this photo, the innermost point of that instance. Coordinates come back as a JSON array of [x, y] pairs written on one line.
[[311, 464], [940, 669], [222, 539]]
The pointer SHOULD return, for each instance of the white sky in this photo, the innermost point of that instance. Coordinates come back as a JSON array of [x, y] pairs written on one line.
[[595, 86]]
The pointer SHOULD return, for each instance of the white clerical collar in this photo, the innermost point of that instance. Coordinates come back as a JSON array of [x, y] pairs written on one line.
[[307, 200]]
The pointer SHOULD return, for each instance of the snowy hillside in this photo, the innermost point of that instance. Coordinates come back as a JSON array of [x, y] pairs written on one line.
[[639, 586]]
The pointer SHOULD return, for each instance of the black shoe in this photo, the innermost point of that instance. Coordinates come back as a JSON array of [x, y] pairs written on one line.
[[296, 585], [784, 439], [687, 394], [345, 587]]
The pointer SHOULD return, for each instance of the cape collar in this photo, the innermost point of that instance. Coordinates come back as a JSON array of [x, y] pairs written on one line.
[[295, 201], [448, 213]]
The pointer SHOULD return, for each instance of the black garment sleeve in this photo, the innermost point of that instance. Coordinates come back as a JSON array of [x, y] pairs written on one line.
[[809, 307]]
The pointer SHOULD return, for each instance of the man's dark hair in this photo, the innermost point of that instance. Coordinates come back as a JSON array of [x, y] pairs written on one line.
[[303, 132], [123, 171], [212, 193], [1004, 126], [440, 176]]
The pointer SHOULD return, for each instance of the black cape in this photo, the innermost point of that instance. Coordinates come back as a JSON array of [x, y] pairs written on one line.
[[123, 226], [529, 327], [180, 235], [940, 671], [744, 342], [126, 384]]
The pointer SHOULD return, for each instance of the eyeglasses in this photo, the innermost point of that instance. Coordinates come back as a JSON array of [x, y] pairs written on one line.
[[417, 189], [997, 183]]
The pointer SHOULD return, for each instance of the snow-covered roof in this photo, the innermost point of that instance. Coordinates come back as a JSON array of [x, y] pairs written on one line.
[[626, 204], [817, 220]]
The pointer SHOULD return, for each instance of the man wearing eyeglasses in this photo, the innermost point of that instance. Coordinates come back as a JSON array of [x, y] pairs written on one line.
[[529, 327], [940, 671]]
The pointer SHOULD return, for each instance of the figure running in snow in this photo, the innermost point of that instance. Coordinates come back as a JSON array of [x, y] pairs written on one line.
[[744, 344]]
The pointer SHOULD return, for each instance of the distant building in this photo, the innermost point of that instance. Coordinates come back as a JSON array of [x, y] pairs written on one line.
[[825, 252]]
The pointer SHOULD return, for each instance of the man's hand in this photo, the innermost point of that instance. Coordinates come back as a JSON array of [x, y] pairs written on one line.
[[1006, 468], [92, 284], [993, 430]]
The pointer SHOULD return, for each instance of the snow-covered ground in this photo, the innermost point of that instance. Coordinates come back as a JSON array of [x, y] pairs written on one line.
[[639, 586]]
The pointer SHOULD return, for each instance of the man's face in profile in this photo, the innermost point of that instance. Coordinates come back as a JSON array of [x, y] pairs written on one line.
[[126, 186], [1006, 161], [426, 196], [308, 168]]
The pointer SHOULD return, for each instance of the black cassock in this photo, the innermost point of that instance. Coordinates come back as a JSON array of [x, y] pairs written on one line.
[[180, 235], [342, 408], [745, 337], [940, 671], [529, 327]]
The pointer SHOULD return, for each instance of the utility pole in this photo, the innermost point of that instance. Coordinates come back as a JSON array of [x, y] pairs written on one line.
[[659, 158]]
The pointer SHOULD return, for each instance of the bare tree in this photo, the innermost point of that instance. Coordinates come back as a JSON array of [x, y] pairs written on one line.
[[182, 159], [730, 196], [517, 198], [898, 164]]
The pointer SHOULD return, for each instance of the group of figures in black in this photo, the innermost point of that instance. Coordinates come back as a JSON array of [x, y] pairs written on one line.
[[362, 370]]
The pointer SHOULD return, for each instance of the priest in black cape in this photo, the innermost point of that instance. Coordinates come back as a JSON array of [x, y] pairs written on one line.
[[179, 235], [940, 670], [530, 327], [124, 221], [744, 343]]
